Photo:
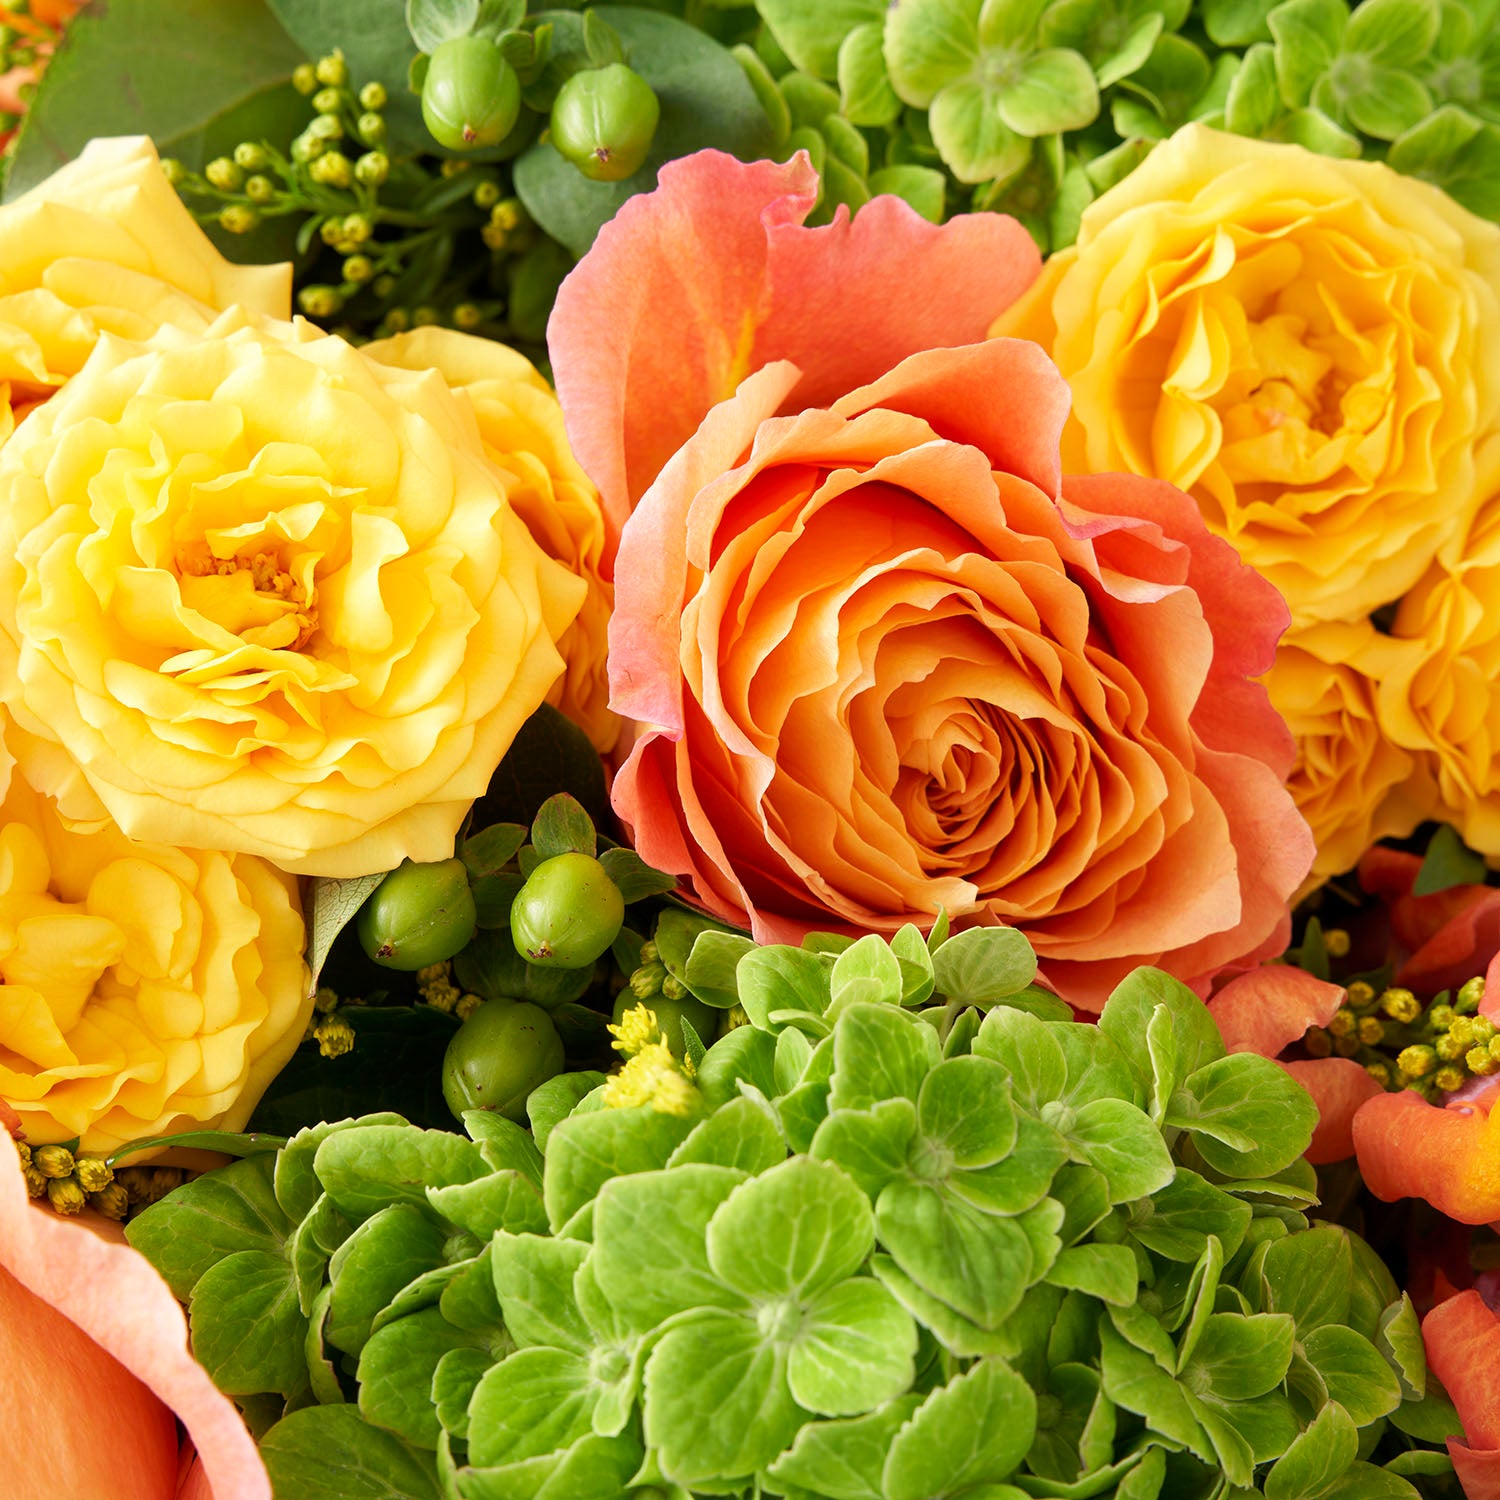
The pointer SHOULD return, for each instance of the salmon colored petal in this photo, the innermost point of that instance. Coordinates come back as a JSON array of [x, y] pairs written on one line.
[[1268, 1009], [115, 1299], [1415, 920], [1478, 1471], [1458, 950], [1448, 1155], [1339, 1087], [195, 1484], [1462, 1337], [690, 288]]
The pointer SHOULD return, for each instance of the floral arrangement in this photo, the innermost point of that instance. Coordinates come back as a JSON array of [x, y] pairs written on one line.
[[745, 750]]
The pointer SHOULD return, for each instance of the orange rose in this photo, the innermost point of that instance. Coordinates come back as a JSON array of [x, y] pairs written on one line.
[[888, 659]]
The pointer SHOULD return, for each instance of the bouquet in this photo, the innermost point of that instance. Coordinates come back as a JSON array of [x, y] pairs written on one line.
[[746, 750]]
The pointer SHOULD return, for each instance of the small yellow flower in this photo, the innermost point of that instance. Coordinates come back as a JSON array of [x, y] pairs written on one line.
[[652, 1077], [637, 1031]]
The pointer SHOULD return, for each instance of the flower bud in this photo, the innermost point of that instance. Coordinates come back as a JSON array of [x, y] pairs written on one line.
[[502, 1052], [334, 1036], [238, 218], [358, 228], [486, 195], [333, 70], [112, 1201], [251, 157], [260, 189], [371, 129], [468, 316], [373, 168], [1470, 994], [36, 1184], [332, 169], [603, 121], [307, 148], [326, 128], [173, 170], [567, 914], [419, 914], [467, 1005], [53, 1161], [667, 1017], [385, 285], [305, 78], [327, 101], [1450, 1078], [94, 1174], [320, 301], [358, 268], [1336, 942], [471, 95], [65, 1196], [425, 317], [225, 174], [372, 96], [646, 981]]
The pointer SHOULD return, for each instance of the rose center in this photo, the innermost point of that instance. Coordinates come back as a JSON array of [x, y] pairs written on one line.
[[252, 594]]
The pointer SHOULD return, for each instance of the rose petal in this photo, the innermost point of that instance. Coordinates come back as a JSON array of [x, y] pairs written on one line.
[[1268, 1009], [112, 1296], [1460, 949]]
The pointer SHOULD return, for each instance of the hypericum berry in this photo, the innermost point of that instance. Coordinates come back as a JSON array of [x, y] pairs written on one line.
[[419, 914], [603, 121], [500, 1054], [567, 914], [471, 95]]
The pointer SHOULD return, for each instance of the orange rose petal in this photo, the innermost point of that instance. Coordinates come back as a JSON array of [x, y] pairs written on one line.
[[1415, 920], [119, 1305], [1339, 1087], [1462, 1337], [1271, 1007], [641, 353], [1460, 949], [1448, 1155]]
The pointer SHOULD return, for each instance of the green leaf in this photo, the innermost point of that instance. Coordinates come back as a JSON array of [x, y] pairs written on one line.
[[534, 1282], [1186, 1212], [977, 1263], [763, 83], [247, 1328], [230, 1142], [550, 1103], [744, 1134], [744, 1054], [470, 1301], [1238, 1358], [1134, 1380], [983, 965], [321, 1373], [456, 1375], [634, 877], [961, 1336], [1054, 91], [880, 1052], [211, 58], [1237, 23], [1185, 1039], [1097, 1068], [1121, 1142], [433, 22], [705, 101], [550, 753], [1248, 1117], [296, 1183], [1396, 32], [396, 1369], [1447, 862], [781, 978], [426, 1291], [505, 1200], [534, 1401], [971, 1432], [367, 1167], [867, 971], [844, 1460], [1027, 1050], [711, 968], [717, 1403], [1400, 1341], [659, 1220], [928, 45], [1308, 35], [211, 1217], [795, 1230], [1308, 1275], [1356, 1374], [865, 93], [853, 1351], [964, 1110], [1318, 1458], [1384, 103], [387, 1251], [923, 188], [1254, 99], [330, 1453], [561, 826], [975, 143], [813, 35], [869, 1144], [1020, 1181], [1107, 1272], [586, 1150]]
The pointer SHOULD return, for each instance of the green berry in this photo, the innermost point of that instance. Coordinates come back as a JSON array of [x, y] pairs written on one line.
[[419, 914], [704, 1019], [603, 121], [567, 914], [498, 1056], [471, 96]]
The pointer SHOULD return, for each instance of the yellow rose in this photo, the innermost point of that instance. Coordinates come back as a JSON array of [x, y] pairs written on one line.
[[521, 424], [105, 245], [1310, 347], [295, 615], [1350, 782], [1443, 697], [143, 989]]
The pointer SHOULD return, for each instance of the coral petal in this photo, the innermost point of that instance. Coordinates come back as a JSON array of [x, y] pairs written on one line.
[[1269, 1008], [1462, 1337], [1448, 1155], [1339, 1087]]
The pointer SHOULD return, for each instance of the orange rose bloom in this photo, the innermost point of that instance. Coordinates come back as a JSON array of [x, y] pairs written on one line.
[[889, 660]]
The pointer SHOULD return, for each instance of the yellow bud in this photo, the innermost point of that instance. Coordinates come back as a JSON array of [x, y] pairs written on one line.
[[372, 96], [1360, 993], [486, 195], [24, 1152], [111, 1201], [1370, 1031], [493, 237], [332, 70], [1401, 1005], [1450, 1078], [1380, 1072], [467, 1005], [65, 1196], [334, 1036], [397, 320], [1344, 1022], [637, 1030], [53, 1161], [1417, 1061], [1481, 1061], [225, 173], [94, 1174], [1481, 1029], [1471, 993], [238, 218], [736, 1016], [468, 316], [325, 1000], [1347, 1046], [1450, 1048], [673, 988], [1336, 943], [332, 169], [305, 78], [1462, 1031], [425, 317], [1317, 1042], [36, 1184], [646, 981], [1440, 1017]]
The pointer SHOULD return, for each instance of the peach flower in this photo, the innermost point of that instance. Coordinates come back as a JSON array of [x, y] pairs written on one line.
[[887, 659], [97, 1370], [1462, 1337]]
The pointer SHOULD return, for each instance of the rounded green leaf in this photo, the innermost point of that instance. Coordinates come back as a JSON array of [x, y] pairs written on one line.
[[928, 45], [1397, 32], [331, 1453], [1122, 1143], [1055, 91], [533, 1402], [853, 1351], [1355, 1372], [880, 1052], [964, 1110], [1025, 1047], [396, 1370], [812, 35], [793, 1231], [383, 1254]]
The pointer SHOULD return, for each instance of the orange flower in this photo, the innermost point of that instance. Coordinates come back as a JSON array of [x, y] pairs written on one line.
[[888, 658], [1462, 1336], [98, 1373], [1270, 1009]]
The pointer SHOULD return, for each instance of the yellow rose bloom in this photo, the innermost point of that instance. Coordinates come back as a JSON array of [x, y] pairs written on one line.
[[143, 989], [105, 245], [521, 424], [1443, 698], [1350, 782], [1308, 346], [261, 594]]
